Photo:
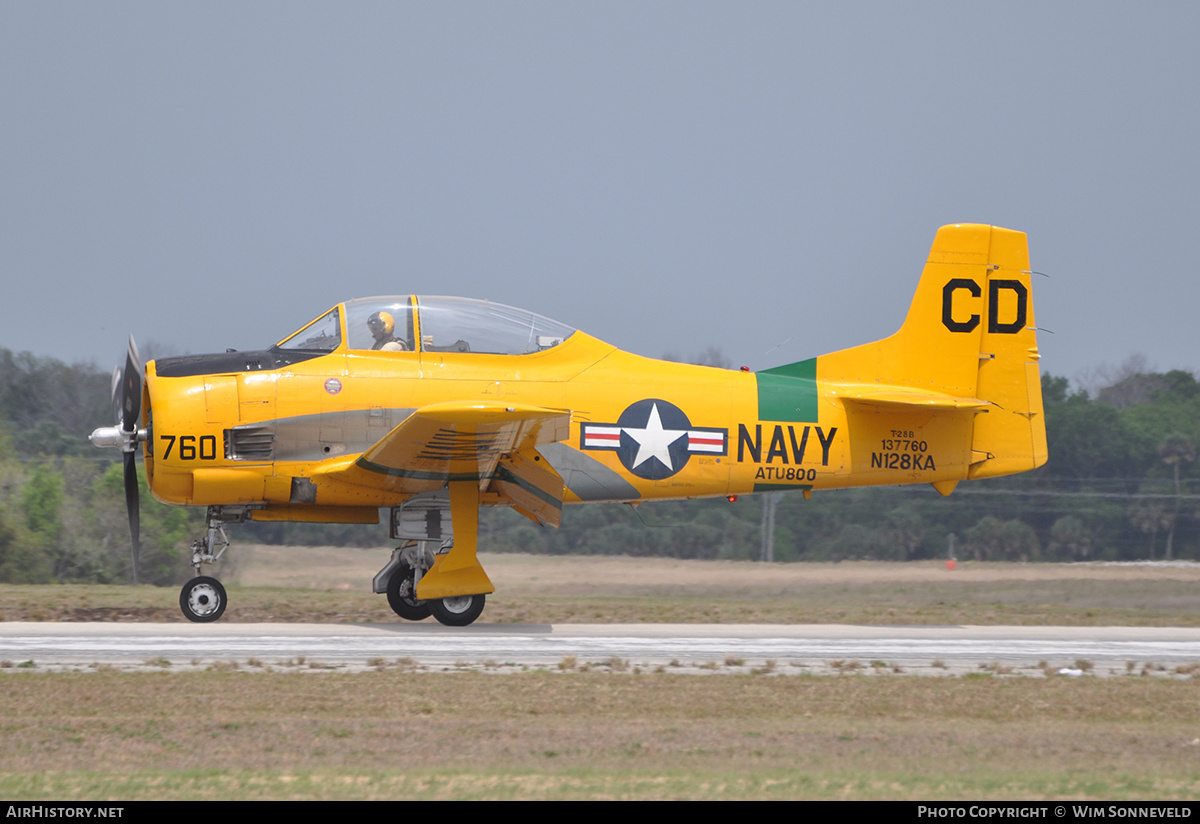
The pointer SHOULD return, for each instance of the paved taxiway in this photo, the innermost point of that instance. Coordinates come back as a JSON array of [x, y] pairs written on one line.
[[690, 646]]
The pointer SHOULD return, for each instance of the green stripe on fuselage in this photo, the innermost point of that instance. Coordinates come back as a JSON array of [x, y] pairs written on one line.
[[788, 393]]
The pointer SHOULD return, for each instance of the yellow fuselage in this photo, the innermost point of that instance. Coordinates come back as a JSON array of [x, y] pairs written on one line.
[[808, 438]]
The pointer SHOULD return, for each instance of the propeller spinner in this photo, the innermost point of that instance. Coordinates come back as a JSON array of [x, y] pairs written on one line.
[[127, 403]]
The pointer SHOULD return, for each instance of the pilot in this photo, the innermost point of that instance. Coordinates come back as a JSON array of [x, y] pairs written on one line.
[[382, 325]]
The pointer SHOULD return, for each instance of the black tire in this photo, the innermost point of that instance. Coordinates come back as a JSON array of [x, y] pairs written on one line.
[[401, 598], [458, 611], [203, 600]]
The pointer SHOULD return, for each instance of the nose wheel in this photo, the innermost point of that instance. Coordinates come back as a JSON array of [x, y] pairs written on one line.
[[202, 599]]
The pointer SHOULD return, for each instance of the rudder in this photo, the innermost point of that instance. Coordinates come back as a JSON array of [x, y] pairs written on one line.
[[1011, 435]]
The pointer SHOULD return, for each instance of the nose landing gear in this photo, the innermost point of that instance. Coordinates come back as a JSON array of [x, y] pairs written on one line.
[[203, 598]]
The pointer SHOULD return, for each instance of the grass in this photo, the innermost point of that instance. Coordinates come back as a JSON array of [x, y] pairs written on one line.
[[593, 734], [423, 783], [609, 730]]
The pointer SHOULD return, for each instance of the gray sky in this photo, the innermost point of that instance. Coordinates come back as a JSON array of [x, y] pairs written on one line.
[[667, 176]]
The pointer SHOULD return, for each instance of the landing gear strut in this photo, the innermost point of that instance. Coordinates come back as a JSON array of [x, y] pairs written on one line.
[[399, 578], [203, 599]]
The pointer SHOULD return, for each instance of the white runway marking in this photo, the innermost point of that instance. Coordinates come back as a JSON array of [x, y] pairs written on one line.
[[812, 647]]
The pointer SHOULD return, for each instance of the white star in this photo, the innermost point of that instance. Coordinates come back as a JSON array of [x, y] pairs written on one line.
[[654, 441]]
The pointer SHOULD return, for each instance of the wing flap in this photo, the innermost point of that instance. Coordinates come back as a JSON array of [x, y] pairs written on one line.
[[456, 441], [532, 486]]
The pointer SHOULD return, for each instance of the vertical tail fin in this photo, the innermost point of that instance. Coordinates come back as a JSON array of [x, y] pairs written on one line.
[[969, 342]]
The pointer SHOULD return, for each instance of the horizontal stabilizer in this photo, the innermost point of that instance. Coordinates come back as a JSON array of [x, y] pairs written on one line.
[[884, 394]]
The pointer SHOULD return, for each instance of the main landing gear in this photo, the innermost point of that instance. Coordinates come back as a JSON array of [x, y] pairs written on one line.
[[399, 579], [458, 610], [407, 565], [203, 599], [429, 562], [435, 570]]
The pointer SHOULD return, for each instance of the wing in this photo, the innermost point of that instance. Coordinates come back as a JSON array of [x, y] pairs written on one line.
[[493, 443]]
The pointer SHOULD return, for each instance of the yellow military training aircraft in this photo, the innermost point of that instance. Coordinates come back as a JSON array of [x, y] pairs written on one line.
[[431, 407]]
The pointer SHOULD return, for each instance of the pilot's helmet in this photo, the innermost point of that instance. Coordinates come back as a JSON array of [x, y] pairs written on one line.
[[381, 322]]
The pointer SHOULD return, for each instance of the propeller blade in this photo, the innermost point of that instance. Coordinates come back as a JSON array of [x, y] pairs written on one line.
[[116, 394], [131, 505], [131, 389]]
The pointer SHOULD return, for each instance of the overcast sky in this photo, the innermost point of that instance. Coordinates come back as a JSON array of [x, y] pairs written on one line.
[[765, 178]]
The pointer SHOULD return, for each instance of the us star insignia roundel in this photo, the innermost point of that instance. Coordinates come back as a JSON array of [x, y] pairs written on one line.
[[654, 439]]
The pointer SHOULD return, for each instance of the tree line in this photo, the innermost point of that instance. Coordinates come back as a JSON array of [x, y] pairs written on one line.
[[1122, 483]]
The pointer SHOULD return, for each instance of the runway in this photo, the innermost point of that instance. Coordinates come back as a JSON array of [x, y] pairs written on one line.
[[701, 648]]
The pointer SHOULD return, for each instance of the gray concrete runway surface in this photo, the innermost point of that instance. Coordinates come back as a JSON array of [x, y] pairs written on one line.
[[701, 648]]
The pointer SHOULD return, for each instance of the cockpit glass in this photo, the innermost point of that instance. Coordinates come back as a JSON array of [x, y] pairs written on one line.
[[382, 324], [322, 335], [466, 325], [446, 324]]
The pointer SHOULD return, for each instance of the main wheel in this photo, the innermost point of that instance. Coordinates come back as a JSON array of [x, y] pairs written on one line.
[[202, 599], [458, 611], [401, 597]]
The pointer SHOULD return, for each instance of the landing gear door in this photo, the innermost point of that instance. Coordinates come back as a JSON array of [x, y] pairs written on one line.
[[424, 517]]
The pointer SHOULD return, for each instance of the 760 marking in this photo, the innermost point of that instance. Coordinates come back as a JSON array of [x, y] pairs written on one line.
[[189, 449]]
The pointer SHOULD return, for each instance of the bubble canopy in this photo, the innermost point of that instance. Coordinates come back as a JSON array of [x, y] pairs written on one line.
[[429, 324]]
